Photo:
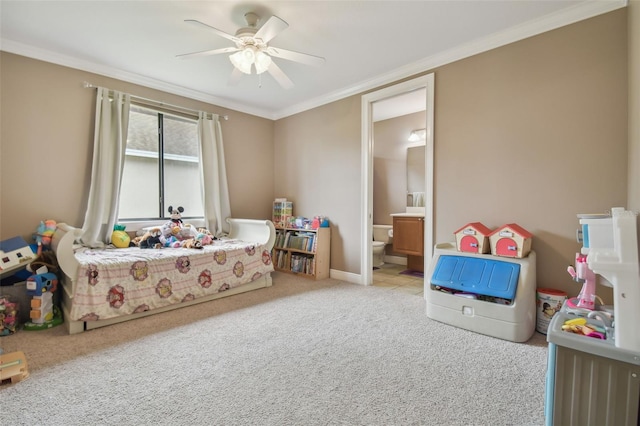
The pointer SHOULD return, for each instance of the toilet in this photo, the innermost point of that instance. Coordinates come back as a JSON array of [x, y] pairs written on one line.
[[382, 235]]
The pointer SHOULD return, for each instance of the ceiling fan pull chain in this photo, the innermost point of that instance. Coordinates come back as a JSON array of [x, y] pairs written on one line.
[[259, 81]]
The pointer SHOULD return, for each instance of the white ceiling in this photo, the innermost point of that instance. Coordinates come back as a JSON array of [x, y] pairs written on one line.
[[366, 43]]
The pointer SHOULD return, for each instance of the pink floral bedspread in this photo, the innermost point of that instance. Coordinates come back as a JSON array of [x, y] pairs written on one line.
[[115, 282]]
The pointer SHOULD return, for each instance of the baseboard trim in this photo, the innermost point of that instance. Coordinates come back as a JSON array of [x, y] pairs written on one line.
[[396, 260]]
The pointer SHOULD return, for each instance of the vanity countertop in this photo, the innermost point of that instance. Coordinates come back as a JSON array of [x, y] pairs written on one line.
[[408, 214]]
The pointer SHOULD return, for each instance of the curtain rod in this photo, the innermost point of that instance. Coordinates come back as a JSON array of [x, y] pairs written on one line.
[[178, 108]]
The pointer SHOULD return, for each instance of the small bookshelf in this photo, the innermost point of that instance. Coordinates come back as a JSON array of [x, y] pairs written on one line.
[[305, 252]]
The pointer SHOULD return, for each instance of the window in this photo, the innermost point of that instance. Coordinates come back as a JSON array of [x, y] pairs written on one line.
[[161, 166]]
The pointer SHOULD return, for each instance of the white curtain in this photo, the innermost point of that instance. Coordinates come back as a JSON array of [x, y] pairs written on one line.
[[214, 175], [109, 144]]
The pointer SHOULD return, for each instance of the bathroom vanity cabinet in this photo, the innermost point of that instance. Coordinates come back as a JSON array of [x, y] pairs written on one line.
[[408, 238], [305, 252]]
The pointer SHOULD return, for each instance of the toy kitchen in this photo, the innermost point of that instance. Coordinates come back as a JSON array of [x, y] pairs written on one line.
[[593, 371]]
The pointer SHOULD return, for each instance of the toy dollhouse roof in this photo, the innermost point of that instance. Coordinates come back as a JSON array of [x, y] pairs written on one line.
[[515, 228], [12, 244], [483, 230]]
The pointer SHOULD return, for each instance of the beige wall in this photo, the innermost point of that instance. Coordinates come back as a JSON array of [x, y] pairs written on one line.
[[317, 166], [546, 117], [47, 137]]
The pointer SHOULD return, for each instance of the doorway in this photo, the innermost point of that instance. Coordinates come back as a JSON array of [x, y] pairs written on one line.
[[423, 82]]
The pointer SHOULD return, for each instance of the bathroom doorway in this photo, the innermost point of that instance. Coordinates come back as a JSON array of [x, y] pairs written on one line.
[[424, 83]]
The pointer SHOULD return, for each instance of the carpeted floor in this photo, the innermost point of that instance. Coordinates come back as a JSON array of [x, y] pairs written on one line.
[[298, 353]]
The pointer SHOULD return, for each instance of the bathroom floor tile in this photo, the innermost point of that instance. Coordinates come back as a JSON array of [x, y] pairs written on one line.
[[388, 276]]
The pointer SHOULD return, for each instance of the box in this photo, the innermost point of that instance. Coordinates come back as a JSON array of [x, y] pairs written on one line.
[[18, 293]]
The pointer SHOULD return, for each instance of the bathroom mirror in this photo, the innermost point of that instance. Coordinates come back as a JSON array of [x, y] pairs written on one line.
[[415, 176]]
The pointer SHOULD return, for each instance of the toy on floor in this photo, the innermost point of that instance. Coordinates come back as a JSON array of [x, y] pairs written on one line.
[[587, 297], [43, 312], [8, 316], [13, 366]]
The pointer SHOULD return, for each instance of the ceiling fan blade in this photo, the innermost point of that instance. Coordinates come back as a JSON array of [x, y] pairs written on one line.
[[280, 76], [235, 77], [208, 52], [217, 31], [295, 56], [271, 28]]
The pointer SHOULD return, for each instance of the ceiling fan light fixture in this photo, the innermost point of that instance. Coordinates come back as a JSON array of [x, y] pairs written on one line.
[[262, 62], [243, 59], [252, 49]]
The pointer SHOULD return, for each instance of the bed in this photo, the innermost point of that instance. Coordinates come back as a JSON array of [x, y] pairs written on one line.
[[101, 287]]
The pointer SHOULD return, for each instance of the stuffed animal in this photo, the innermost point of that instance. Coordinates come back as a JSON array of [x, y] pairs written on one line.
[[44, 232], [119, 236], [172, 241], [151, 239], [205, 236], [176, 214], [176, 228], [192, 243], [49, 230], [173, 227]]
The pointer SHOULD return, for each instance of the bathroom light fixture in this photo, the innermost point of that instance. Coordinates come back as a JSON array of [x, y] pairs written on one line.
[[248, 56], [418, 135]]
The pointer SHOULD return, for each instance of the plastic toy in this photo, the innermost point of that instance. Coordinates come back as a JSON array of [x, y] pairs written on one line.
[[43, 313], [611, 246], [15, 254], [587, 297], [13, 366]]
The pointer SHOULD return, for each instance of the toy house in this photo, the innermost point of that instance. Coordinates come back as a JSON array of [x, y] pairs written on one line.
[[510, 240], [473, 238], [15, 252]]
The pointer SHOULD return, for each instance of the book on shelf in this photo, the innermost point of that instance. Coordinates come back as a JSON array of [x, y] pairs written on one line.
[[304, 241], [303, 264]]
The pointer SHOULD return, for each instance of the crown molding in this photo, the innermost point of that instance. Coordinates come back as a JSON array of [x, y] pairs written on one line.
[[569, 16], [29, 51]]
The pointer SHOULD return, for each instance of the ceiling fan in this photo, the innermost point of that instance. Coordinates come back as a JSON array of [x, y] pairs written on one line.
[[252, 50]]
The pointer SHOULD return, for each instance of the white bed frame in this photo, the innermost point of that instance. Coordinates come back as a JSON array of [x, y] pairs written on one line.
[[63, 242]]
